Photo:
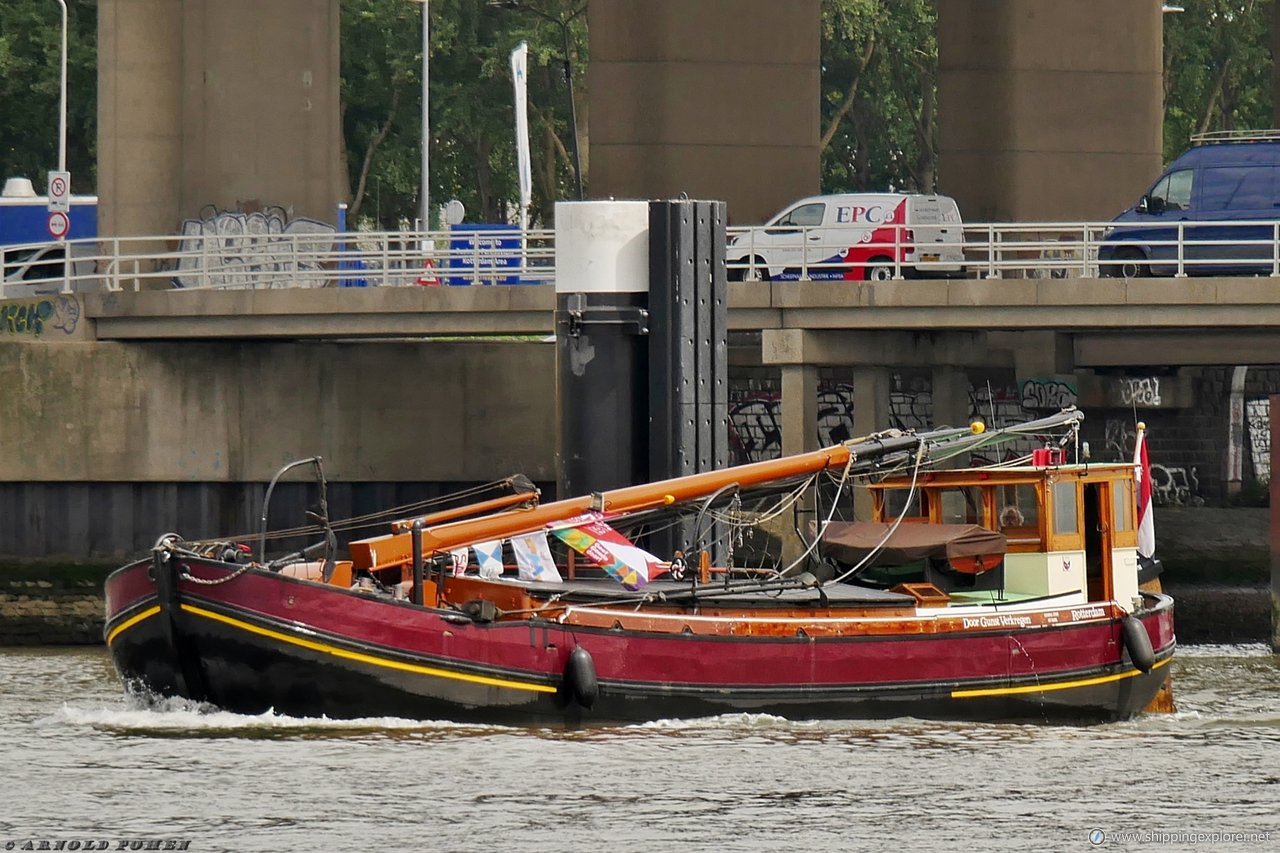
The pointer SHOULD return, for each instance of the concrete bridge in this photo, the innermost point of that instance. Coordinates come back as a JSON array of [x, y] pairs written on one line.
[[1102, 322]]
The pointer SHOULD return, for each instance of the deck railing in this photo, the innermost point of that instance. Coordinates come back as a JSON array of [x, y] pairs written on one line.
[[508, 257]]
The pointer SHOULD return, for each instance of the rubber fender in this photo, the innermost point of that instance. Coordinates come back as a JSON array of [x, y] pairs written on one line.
[[580, 677], [1137, 643]]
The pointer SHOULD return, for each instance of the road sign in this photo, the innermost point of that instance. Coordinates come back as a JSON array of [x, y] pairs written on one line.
[[59, 224], [59, 192]]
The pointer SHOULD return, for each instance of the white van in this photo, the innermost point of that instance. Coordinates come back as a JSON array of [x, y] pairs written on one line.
[[853, 237], [36, 270]]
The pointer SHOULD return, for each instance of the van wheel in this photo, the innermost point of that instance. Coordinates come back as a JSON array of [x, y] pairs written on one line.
[[757, 272], [880, 269], [1132, 264]]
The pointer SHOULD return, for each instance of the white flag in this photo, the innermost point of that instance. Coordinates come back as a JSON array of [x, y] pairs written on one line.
[[489, 558], [520, 76], [533, 558], [1146, 518]]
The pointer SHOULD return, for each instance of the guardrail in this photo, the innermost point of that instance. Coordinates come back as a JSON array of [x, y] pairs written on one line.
[[265, 261], [506, 256], [1009, 250]]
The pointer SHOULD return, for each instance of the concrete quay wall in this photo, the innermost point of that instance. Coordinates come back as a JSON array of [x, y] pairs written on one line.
[[104, 446]]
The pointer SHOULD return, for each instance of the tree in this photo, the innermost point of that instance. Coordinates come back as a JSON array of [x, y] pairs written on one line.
[[1217, 69], [879, 104], [30, 44]]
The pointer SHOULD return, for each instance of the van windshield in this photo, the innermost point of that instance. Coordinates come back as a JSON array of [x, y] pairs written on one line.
[[1173, 192]]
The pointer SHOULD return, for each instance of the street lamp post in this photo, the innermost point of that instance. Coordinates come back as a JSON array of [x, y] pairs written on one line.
[[425, 191], [563, 23], [62, 120]]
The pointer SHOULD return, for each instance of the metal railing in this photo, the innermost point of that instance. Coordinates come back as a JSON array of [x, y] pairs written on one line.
[[1009, 250], [507, 257], [269, 261]]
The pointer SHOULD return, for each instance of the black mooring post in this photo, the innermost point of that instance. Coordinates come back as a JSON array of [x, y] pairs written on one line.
[[415, 539], [1275, 524], [688, 352]]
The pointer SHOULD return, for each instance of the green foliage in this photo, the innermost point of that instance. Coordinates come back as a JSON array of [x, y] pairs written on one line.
[[30, 39], [1217, 69], [471, 100], [878, 97], [879, 103]]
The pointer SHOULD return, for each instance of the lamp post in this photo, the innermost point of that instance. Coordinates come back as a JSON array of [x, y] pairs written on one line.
[[563, 23], [425, 191], [62, 119]]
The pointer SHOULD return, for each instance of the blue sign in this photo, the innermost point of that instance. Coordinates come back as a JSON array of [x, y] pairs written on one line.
[[484, 254]]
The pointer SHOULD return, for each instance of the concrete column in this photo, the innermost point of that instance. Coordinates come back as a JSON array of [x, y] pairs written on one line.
[[713, 98], [799, 408], [870, 414], [230, 103], [1048, 111], [950, 396], [260, 117], [140, 61]]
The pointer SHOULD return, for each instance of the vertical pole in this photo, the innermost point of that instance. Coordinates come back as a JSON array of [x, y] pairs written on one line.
[[62, 144], [62, 119], [426, 117], [415, 539], [1275, 524], [573, 109]]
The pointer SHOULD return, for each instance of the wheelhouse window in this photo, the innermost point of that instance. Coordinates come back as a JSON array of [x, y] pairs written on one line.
[[1122, 501], [896, 500], [961, 506], [1017, 508], [1065, 507]]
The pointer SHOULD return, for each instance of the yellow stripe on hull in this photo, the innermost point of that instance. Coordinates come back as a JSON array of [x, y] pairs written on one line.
[[131, 621], [365, 658], [335, 651], [1045, 688]]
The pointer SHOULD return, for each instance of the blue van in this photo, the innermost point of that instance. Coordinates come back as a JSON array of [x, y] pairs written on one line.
[[1227, 178]]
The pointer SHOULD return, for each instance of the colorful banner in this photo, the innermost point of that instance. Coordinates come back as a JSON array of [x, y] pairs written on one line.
[[593, 538]]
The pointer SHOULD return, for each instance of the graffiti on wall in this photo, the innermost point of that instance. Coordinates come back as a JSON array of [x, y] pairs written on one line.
[[1121, 435], [835, 414], [237, 249], [35, 317], [755, 428], [1139, 391], [1258, 418], [1052, 394], [1172, 486]]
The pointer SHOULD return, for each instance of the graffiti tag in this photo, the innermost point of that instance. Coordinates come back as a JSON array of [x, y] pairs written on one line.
[[1047, 394], [1140, 392], [230, 249], [32, 318]]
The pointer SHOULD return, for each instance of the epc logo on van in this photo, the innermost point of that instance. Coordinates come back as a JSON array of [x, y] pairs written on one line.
[[847, 214]]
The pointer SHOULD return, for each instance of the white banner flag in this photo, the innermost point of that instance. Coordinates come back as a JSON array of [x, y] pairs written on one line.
[[520, 76]]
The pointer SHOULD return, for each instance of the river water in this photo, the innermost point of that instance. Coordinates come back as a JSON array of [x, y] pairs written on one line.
[[81, 764]]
